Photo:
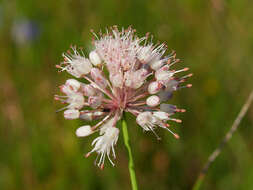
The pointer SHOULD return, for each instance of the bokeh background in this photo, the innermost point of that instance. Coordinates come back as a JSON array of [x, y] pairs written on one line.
[[38, 148]]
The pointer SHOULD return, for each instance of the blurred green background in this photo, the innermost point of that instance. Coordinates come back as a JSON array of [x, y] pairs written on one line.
[[39, 149]]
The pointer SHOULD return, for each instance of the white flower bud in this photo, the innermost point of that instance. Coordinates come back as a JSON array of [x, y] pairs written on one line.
[[153, 101], [71, 114], [74, 84], [154, 87], [84, 131], [95, 58]]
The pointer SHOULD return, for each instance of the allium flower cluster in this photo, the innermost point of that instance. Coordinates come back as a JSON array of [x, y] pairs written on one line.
[[123, 73]]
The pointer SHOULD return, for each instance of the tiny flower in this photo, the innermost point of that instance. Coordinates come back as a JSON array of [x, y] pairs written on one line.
[[104, 145], [75, 64], [124, 73]]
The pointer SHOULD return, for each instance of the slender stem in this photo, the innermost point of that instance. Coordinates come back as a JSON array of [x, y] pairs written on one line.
[[228, 136], [131, 161]]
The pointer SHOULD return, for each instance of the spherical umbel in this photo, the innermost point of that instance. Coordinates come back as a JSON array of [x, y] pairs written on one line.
[[123, 73]]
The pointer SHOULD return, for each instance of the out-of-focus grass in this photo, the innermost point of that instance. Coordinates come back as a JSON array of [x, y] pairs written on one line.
[[39, 149]]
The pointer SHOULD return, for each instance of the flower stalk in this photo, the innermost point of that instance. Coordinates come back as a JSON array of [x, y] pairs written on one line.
[[131, 161]]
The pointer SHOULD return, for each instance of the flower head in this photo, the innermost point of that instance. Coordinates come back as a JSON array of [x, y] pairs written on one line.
[[123, 73]]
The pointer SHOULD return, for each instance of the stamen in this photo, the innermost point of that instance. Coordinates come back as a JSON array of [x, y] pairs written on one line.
[[187, 86], [102, 166], [101, 122], [174, 134], [87, 155], [176, 120], [184, 69], [96, 86]]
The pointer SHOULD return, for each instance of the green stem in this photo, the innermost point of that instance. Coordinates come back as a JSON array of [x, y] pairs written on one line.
[[131, 161]]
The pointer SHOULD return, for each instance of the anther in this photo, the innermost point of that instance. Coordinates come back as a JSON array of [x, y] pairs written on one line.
[[176, 136], [102, 166]]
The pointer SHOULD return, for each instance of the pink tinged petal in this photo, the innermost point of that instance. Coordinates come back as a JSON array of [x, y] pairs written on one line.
[[84, 131], [145, 53], [157, 64], [135, 79], [97, 76], [162, 75], [153, 101], [71, 114], [73, 84], [143, 118], [89, 116], [76, 64], [76, 101], [94, 101], [95, 58], [66, 89], [154, 87], [161, 115], [88, 90], [117, 79]]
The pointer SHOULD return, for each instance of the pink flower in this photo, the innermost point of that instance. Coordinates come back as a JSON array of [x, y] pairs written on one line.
[[123, 73]]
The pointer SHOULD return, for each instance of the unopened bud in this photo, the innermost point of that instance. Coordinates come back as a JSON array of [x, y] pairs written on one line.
[[95, 58], [154, 87], [71, 114], [84, 131], [153, 101]]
